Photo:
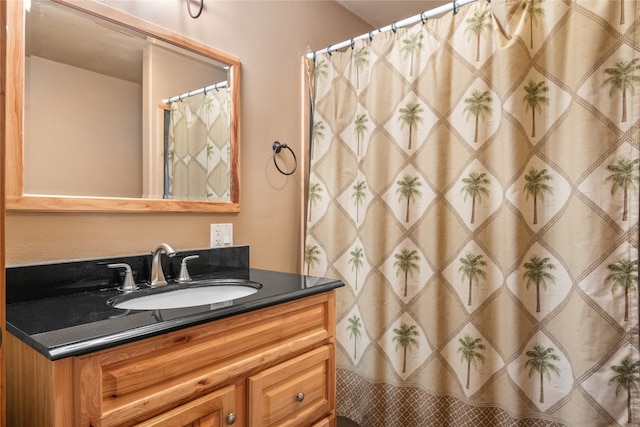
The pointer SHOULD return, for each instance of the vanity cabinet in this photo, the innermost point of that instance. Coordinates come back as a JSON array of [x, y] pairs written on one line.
[[270, 367]]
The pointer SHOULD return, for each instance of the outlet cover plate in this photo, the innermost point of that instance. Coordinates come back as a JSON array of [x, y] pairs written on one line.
[[221, 235]]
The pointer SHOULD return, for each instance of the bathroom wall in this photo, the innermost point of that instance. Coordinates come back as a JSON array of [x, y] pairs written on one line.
[[94, 152], [270, 38]]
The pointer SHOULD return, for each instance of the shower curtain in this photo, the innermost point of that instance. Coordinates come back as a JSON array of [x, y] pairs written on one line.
[[198, 150], [474, 183]]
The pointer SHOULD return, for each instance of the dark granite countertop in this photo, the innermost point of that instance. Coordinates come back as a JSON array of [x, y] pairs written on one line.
[[77, 323]]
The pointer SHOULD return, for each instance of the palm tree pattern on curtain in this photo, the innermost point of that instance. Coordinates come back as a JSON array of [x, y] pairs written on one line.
[[474, 182], [198, 150]]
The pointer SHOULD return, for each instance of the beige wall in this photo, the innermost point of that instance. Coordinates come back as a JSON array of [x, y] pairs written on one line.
[[269, 37], [102, 149]]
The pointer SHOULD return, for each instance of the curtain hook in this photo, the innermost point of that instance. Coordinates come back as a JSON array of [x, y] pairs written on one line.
[[370, 36], [204, 89], [393, 27], [329, 50], [199, 9], [314, 56], [216, 87], [455, 7], [422, 17], [352, 44]]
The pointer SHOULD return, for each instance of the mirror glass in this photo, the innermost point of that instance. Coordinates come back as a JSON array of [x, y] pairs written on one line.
[[116, 108]]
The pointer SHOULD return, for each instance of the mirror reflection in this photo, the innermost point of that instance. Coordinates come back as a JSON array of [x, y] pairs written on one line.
[[113, 112]]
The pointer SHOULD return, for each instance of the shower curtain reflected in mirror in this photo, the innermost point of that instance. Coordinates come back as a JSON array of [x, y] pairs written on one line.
[[474, 182], [198, 148]]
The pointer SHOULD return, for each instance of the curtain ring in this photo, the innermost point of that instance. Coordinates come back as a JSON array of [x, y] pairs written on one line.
[[329, 50], [422, 17], [277, 147], [455, 7], [393, 27], [199, 10], [370, 36], [352, 44], [314, 56]]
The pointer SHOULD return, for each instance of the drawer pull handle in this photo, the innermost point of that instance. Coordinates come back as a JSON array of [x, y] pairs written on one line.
[[231, 419], [300, 397]]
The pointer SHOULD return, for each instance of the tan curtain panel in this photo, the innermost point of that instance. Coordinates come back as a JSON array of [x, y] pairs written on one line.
[[198, 149], [474, 182]]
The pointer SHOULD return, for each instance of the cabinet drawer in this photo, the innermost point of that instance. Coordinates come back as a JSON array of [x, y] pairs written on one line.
[[294, 393]]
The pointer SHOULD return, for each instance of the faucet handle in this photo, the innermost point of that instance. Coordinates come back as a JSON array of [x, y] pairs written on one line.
[[184, 273], [128, 285]]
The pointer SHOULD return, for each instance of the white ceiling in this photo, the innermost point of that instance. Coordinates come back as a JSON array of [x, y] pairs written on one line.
[[380, 13]]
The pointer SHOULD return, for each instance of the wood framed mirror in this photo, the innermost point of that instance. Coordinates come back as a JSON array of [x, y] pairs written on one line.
[[142, 170]]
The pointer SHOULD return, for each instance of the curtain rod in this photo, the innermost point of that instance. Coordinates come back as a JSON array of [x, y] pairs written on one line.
[[421, 17], [204, 90]]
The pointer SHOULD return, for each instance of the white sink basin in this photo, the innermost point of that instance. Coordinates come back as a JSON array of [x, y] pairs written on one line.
[[181, 296]]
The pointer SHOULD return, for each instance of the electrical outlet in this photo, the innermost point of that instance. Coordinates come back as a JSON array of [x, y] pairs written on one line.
[[221, 235]]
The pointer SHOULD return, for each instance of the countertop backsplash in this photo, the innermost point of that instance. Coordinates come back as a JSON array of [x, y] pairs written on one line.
[[38, 281]]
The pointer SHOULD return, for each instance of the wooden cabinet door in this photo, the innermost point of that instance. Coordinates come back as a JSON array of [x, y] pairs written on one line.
[[295, 393], [216, 409]]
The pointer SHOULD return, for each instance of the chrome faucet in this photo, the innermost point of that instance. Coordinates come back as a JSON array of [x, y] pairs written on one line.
[[157, 276]]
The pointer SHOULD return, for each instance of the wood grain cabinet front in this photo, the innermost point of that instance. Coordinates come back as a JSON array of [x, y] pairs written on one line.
[[273, 366], [212, 410], [294, 393], [325, 422]]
